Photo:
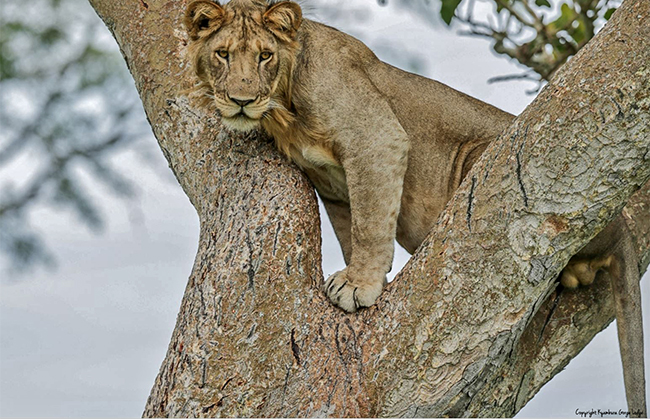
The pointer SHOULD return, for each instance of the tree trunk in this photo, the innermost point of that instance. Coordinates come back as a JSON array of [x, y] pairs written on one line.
[[458, 332]]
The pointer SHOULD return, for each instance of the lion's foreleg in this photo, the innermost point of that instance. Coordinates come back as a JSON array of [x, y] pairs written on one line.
[[374, 178], [339, 214]]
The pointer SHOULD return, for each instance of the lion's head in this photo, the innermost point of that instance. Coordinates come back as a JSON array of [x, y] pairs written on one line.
[[243, 53]]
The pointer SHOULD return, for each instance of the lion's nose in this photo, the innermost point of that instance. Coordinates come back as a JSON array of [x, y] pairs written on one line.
[[241, 102]]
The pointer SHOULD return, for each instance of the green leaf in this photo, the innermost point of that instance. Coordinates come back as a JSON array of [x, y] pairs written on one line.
[[51, 35], [544, 3], [579, 32], [447, 9], [7, 65], [609, 12], [585, 5], [567, 16]]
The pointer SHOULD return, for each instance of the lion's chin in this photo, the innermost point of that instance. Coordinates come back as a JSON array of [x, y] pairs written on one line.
[[240, 123]]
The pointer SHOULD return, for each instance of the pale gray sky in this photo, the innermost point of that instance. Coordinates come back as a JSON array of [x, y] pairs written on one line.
[[87, 340]]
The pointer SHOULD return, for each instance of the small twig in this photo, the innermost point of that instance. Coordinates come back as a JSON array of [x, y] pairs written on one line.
[[475, 33], [522, 76], [470, 9], [22, 139], [539, 24], [58, 164], [516, 14]]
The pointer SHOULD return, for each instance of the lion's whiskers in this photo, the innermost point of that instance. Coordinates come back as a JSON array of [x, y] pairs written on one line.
[[273, 104]]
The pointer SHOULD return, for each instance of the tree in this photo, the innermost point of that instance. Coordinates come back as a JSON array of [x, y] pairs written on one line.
[[472, 326]]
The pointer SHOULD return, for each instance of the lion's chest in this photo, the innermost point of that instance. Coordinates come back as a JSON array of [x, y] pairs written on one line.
[[324, 171]]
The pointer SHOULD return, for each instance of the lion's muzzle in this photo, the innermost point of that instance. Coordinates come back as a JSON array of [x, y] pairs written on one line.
[[242, 113]]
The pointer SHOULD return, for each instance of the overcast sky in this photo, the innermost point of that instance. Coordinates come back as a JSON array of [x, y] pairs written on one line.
[[87, 340]]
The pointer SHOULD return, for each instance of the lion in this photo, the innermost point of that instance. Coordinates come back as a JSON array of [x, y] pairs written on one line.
[[384, 148], [383, 167]]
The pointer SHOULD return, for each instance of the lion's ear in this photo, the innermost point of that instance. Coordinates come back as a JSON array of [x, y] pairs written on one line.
[[202, 18], [284, 19]]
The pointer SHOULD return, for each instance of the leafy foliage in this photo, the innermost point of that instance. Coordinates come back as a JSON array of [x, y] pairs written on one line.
[[448, 9], [65, 106], [539, 34]]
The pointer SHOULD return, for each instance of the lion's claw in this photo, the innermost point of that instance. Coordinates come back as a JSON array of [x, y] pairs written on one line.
[[351, 295]]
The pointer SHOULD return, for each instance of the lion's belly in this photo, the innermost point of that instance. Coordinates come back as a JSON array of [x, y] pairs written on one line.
[[324, 172], [413, 225], [330, 183], [424, 195]]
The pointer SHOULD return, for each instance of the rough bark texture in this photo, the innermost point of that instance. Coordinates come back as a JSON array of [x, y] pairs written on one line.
[[562, 327], [256, 337]]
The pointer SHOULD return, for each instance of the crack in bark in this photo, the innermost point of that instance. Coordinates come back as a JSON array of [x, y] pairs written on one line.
[[217, 310], [521, 182], [331, 394], [201, 297], [287, 266], [251, 270], [275, 239], [226, 383], [470, 204], [294, 347], [490, 164], [209, 407], [519, 388], [620, 114], [204, 368], [336, 338], [284, 387], [556, 301], [518, 157], [251, 332], [182, 109]]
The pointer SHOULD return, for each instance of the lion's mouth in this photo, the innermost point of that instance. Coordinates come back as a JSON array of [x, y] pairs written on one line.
[[252, 113], [241, 122], [242, 118], [246, 114]]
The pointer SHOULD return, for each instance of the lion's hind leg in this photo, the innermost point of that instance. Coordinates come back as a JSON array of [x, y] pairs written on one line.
[[582, 272], [618, 258]]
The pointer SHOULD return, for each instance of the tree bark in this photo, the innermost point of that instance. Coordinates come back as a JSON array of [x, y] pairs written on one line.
[[459, 331], [564, 324]]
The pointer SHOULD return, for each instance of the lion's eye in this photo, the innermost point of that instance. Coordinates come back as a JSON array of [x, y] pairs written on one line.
[[265, 56], [222, 53]]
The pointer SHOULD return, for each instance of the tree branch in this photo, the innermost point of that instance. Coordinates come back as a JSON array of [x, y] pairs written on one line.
[[546, 187]]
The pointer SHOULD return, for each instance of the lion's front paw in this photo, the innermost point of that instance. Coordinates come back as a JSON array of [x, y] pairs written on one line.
[[351, 294]]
